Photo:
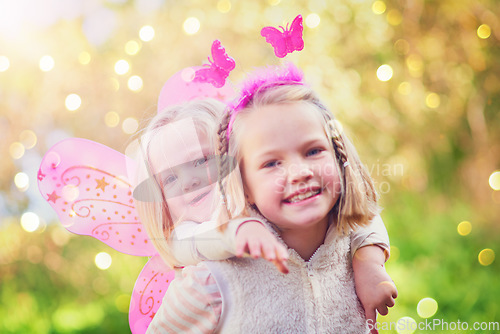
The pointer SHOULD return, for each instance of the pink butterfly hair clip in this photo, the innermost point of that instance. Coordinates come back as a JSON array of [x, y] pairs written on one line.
[[287, 40], [218, 70]]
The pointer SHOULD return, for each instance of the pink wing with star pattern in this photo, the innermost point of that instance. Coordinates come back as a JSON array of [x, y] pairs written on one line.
[[148, 293], [86, 184]]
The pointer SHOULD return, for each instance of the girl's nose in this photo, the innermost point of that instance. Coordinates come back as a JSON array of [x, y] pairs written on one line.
[[300, 173], [190, 183]]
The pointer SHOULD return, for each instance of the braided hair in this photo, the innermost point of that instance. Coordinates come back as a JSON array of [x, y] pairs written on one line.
[[357, 204]]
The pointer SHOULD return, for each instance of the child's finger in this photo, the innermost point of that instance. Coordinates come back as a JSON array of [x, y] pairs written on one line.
[[241, 248], [383, 310], [269, 252], [254, 248], [281, 265], [371, 318], [281, 252]]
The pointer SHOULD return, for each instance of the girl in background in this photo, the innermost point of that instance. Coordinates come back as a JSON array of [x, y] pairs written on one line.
[[177, 197]]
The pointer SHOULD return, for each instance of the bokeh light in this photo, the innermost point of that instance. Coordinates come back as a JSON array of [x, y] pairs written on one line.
[[28, 138], [384, 72], [147, 33], [464, 228], [46, 63], [84, 58], [312, 20], [427, 307], [122, 303], [4, 63], [379, 7], [132, 47], [103, 260], [73, 102], [432, 100], [16, 150], [22, 181], [394, 17], [134, 83], [406, 325], [130, 125], [486, 257], [30, 221], [70, 193], [112, 119], [484, 31], [122, 67], [404, 88], [191, 25], [223, 6], [494, 180], [415, 65]]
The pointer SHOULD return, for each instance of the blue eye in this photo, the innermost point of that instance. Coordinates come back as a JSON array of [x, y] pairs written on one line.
[[314, 151], [271, 164], [200, 161], [169, 179]]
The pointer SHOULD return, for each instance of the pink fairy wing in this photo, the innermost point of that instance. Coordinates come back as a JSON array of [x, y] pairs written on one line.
[[86, 183], [149, 289], [277, 39], [295, 33]]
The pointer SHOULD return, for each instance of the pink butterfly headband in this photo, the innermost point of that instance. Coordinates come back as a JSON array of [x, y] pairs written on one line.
[[261, 81]]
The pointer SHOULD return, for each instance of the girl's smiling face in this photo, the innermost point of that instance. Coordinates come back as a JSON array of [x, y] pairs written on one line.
[[288, 165], [183, 162]]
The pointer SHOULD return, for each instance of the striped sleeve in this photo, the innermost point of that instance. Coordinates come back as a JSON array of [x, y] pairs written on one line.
[[192, 304]]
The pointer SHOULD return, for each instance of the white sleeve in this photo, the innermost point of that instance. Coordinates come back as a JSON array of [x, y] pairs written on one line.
[[373, 234], [193, 242]]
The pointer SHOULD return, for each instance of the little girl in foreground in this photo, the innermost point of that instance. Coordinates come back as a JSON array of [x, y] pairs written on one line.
[[306, 180]]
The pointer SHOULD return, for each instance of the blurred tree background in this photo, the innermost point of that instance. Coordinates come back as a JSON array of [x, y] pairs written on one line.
[[415, 82]]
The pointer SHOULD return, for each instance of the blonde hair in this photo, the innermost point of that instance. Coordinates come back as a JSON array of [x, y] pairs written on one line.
[[357, 204], [155, 215]]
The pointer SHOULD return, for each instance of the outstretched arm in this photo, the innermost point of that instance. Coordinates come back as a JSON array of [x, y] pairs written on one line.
[[374, 287], [193, 242]]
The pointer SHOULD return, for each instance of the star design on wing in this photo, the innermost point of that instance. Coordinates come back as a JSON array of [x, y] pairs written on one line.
[[101, 184], [53, 197]]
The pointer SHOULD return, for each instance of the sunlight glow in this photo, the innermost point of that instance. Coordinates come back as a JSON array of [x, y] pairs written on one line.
[[122, 67], [22, 181], [135, 83], [4, 63], [191, 26], [73, 102], [30, 221], [47, 63], [384, 72], [312, 20], [147, 33], [103, 260], [427, 307]]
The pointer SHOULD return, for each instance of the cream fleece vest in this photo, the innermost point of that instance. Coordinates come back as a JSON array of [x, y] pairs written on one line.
[[317, 296]]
